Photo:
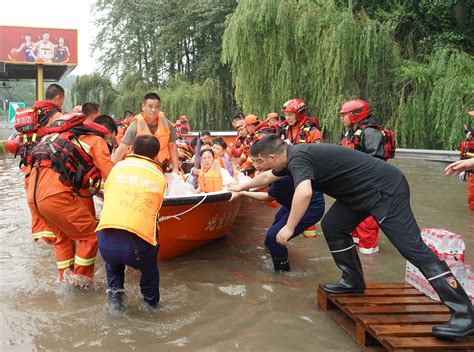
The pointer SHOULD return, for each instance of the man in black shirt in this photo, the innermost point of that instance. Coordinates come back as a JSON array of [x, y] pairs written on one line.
[[362, 186]]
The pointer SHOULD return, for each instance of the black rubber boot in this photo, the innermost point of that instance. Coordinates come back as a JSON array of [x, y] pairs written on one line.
[[452, 295], [116, 299], [347, 259], [281, 264]]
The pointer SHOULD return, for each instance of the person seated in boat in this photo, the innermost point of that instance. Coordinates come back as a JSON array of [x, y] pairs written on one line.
[[206, 138], [282, 191], [211, 176], [127, 231], [219, 147]]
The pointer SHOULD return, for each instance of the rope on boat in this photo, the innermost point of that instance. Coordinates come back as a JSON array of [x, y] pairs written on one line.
[[164, 218]]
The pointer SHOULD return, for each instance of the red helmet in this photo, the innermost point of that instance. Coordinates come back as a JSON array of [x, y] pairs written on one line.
[[13, 143], [357, 110], [297, 106]]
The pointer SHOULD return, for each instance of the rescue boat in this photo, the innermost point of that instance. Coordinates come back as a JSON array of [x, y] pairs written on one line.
[[188, 222]]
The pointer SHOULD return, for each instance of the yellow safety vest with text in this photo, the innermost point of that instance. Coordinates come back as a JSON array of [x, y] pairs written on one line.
[[133, 195]]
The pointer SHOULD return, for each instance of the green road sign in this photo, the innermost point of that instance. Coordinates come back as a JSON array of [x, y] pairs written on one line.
[[12, 106]]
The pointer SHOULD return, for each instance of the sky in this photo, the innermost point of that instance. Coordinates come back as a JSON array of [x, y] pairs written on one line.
[[69, 14]]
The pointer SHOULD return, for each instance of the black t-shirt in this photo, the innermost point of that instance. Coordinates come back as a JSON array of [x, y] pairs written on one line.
[[351, 177]]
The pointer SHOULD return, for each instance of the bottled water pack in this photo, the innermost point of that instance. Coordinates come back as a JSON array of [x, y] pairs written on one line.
[[447, 246]]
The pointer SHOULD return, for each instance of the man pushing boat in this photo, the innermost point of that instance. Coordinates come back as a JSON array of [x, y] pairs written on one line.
[[362, 186]]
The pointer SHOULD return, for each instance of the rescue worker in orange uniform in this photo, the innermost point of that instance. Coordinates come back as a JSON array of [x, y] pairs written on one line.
[[182, 126], [122, 126], [467, 152], [128, 230], [91, 110], [49, 110], [52, 198], [245, 162], [237, 147], [148, 122], [354, 114], [299, 128]]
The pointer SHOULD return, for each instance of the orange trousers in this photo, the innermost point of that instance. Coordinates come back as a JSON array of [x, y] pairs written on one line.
[[39, 230], [70, 220], [470, 191], [366, 234]]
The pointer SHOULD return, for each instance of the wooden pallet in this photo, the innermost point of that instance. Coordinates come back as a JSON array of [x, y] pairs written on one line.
[[391, 317]]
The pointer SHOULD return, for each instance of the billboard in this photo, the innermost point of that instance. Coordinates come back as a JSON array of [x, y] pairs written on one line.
[[30, 45]]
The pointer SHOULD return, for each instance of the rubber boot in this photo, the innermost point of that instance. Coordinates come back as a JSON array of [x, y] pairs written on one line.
[[116, 299], [347, 259], [452, 295], [281, 264]]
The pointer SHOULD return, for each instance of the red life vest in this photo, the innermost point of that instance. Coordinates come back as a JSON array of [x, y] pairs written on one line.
[[31, 123], [466, 149], [303, 135], [62, 151], [388, 140]]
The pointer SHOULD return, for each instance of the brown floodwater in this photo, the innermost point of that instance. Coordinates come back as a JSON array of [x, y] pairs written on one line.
[[223, 297]]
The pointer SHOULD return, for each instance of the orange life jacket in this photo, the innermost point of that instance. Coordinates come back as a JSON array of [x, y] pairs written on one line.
[[211, 180], [303, 133], [163, 134]]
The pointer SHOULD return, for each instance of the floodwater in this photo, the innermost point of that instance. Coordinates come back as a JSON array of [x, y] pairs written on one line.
[[223, 297]]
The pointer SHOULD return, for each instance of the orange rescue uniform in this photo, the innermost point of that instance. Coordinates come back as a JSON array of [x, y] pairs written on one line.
[[68, 217]]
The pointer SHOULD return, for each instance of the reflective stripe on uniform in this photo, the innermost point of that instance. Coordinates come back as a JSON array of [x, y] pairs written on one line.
[[41, 234], [82, 144], [83, 262], [65, 263]]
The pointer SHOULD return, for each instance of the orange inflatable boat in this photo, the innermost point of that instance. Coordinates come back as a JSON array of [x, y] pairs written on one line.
[[188, 222]]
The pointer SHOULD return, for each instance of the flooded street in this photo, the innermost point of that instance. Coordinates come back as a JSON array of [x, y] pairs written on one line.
[[223, 297]]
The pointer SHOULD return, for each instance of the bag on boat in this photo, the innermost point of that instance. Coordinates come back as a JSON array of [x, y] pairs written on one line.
[[177, 186]]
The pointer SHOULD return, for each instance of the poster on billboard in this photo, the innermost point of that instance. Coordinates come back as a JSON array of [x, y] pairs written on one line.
[[38, 45]]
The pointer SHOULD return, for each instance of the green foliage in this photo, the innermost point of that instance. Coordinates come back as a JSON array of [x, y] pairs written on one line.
[[203, 103], [311, 49], [434, 99], [410, 59], [95, 88]]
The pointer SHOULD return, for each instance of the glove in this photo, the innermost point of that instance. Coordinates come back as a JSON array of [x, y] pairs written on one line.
[[463, 176]]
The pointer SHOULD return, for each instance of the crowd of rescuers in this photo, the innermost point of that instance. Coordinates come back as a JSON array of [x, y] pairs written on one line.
[[65, 157]]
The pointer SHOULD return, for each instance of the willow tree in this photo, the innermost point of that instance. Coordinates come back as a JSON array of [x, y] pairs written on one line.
[[279, 49], [433, 100], [202, 103], [96, 88]]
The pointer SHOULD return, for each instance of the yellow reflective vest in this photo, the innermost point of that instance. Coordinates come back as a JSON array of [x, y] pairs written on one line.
[[133, 195], [163, 134]]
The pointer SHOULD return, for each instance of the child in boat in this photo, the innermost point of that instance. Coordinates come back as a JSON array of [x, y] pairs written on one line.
[[127, 230], [211, 176], [219, 147], [282, 191]]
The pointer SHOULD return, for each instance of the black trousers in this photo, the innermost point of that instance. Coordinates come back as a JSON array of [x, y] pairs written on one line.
[[399, 225]]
